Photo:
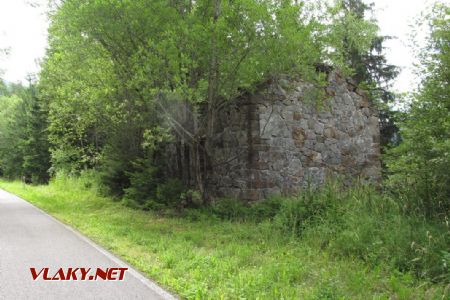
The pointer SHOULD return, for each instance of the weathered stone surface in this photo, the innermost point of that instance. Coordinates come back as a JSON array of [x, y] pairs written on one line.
[[279, 143], [299, 137], [318, 128]]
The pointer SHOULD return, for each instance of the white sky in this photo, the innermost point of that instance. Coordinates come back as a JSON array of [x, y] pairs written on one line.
[[23, 29], [395, 18]]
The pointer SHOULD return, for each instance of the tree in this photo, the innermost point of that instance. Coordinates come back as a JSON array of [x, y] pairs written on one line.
[[35, 147], [420, 165], [369, 65], [10, 138], [3, 89], [24, 149], [113, 67]]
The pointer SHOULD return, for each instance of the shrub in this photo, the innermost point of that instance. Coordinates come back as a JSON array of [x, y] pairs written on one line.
[[364, 224], [309, 208], [143, 184], [419, 166], [238, 210], [266, 209], [115, 174], [170, 192], [149, 190], [230, 209]]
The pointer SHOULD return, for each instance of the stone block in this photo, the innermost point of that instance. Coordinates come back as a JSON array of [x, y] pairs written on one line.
[[318, 128], [310, 135], [299, 136]]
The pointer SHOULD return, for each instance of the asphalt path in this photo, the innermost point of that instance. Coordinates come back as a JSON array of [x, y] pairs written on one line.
[[29, 238]]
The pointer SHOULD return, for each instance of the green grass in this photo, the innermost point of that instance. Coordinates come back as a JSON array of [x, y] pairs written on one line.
[[210, 258]]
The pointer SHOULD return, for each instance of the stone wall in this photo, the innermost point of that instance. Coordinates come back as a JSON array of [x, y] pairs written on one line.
[[281, 139]]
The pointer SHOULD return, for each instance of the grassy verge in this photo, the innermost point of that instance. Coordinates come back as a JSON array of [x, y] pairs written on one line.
[[210, 258]]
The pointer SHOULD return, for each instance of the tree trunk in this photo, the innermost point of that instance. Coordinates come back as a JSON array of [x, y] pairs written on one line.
[[213, 87]]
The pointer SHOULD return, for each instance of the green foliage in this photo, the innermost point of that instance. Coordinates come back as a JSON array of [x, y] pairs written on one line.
[[363, 52], [419, 167], [373, 227], [354, 223], [143, 184], [230, 209], [11, 160], [307, 209], [36, 155], [238, 210], [111, 66], [205, 257], [170, 192], [3, 88], [149, 190], [23, 138], [110, 72], [353, 36]]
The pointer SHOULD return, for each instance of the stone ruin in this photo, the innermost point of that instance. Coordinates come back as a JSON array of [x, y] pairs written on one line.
[[281, 139]]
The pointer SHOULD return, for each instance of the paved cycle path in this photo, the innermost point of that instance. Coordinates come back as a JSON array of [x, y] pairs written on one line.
[[29, 238]]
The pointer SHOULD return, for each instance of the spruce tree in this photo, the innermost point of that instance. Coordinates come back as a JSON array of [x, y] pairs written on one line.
[[372, 70], [36, 156]]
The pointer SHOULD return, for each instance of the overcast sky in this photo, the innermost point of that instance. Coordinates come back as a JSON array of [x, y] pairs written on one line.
[[23, 29]]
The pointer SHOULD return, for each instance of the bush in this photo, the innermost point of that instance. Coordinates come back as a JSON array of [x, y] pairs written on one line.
[[149, 190], [116, 175], [309, 208], [359, 222], [419, 166], [230, 209], [267, 209], [86, 181], [170, 192], [238, 210], [143, 184], [364, 224]]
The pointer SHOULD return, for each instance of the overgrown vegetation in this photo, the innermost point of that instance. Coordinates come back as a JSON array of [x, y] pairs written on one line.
[[114, 67], [420, 166], [24, 146], [328, 244], [97, 123], [358, 222]]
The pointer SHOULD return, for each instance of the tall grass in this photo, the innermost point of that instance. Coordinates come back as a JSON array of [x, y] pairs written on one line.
[[330, 243], [357, 223]]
